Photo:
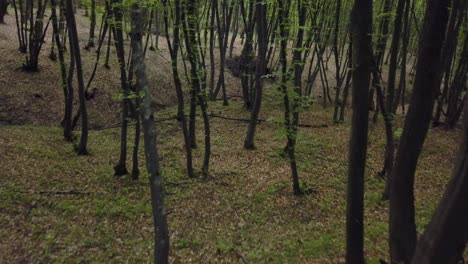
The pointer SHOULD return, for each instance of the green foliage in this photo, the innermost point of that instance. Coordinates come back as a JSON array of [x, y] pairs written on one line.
[[131, 95], [188, 243], [224, 246], [398, 133], [320, 247]]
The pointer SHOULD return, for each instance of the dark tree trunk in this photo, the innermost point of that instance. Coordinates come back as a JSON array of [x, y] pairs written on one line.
[[457, 87], [161, 238], [247, 54], [121, 167], [448, 50], [347, 83], [390, 142], [19, 26], [236, 29], [337, 60], [261, 14], [36, 34], [197, 76], [174, 52], [223, 36], [3, 10], [92, 25], [445, 237], [402, 223], [67, 132], [394, 54], [75, 49], [383, 36], [361, 28], [214, 7], [404, 54]]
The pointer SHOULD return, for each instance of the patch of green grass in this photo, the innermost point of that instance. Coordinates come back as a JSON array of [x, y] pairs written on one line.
[[224, 246], [322, 246], [188, 243], [121, 206]]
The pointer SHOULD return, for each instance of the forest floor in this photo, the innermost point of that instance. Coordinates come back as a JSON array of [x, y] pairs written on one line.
[[57, 207]]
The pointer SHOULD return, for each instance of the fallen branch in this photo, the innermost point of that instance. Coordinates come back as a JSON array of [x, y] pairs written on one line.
[[72, 192], [313, 126], [235, 119], [119, 124], [244, 259], [263, 120]]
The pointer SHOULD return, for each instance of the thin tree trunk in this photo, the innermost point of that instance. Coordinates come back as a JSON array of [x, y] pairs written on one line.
[[174, 51], [260, 71], [394, 54], [121, 167], [161, 238], [67, 132], [74, 47], [92, 25]]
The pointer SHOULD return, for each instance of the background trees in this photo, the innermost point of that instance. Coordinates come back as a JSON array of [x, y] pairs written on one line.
[[285, 57]]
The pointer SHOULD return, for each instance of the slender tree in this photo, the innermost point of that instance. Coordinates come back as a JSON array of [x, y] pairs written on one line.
[[261, 14], [117, 11], [75, 51], [197, 74], [67, 92], [92, 25], [361, 28], [161, 238], [174, 47]]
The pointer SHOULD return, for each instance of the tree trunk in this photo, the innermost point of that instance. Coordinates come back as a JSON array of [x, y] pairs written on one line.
[[161, 238], [402, 223], [3, 10], [121, 167], [449, 48], [260, 71], [361, 28], [445, 237], [67, 132], [92, 25], [174, 52], [394, 55], [197, 76], [457, 86], [75, 49]]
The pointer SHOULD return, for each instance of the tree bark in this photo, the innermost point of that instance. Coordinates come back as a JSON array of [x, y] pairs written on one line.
[[75, 49], [3, 10], [92, 25], [174, 51], [445, 237], [161, 238], [260, 71], [361, 28], [402, 223]]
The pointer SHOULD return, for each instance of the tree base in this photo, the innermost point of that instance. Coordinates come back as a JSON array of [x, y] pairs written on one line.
[[120, 170], [135, 173]]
